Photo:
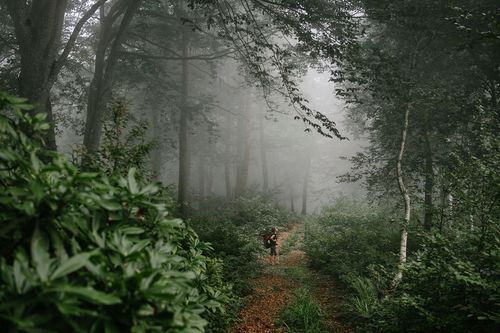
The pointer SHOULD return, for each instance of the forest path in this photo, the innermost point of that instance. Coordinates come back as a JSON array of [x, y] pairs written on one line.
[[274, 289]]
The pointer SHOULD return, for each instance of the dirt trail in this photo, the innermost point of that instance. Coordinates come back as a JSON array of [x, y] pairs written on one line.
[[261, 312]]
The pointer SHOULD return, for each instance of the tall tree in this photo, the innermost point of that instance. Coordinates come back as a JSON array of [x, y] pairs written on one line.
[[114, 23], [263, 155], [38, 26], [305, 184], [184, 161], [243, 149]]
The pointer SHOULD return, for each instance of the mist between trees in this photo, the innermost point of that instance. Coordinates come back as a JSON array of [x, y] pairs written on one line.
[[234, 104]]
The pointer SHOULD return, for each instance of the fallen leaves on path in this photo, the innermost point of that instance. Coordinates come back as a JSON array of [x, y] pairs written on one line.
[[273, 292], [270, 296]]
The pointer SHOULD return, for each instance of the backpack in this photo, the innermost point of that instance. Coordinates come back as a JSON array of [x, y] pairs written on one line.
[[267, 240]]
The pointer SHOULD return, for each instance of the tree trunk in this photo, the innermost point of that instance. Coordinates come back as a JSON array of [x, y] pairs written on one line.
[[38, 30], [429, 185], [263, 155], [227, 158], [292, 208], [243, 162], [156, 153], [107, 56], [305, 186], [209, 177], [406, 199], [184, 161], [201, 177]]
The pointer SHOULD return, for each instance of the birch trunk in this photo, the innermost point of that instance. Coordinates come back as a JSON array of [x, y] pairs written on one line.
[[406, 199]]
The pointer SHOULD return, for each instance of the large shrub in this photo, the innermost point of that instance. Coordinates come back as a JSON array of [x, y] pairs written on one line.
[[450, 285], [82, 252], [349, 237], [450, 281]]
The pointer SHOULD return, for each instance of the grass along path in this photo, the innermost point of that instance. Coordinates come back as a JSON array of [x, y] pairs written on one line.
[[288, 297]]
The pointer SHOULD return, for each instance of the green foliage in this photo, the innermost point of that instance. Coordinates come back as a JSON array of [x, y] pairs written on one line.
[[234, 231], [82, 252], [450, 282], [293, 241], [303, 315], [348, 237], [365, 296], [123, 145], [450, 285]]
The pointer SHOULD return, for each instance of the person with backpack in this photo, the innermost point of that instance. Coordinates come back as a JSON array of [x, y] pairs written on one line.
[[273, 242]]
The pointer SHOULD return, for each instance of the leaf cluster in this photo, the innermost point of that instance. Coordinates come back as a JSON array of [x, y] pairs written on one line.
[[83, 252]]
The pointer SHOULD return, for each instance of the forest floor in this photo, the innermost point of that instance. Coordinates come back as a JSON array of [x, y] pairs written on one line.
[[274, 290]]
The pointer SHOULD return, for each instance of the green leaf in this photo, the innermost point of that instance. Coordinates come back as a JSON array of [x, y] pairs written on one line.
[[132, 183], [15, 100], [89, 294], [171, 223], [8, 155], [35, 162], [132, 230], [149, 189], [110, 205], [40, 254], [19, 274], [71, 265]]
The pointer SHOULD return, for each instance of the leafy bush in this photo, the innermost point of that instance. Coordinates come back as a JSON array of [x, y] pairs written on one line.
[[452, 284], [82, 252], [348, 237], [450, 281], [123, 146]]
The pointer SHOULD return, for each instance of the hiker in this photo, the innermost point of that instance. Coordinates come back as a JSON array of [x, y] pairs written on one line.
[[273, 239]]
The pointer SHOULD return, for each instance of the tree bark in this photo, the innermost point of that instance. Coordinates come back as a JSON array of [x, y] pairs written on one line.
[[38, 29], [406, 199], [201, 176], [263, 155], [184, 162], [227, 158], [156, 153], [305, 185], [243, 163], [429, 185], [107, 56], [209, 177]]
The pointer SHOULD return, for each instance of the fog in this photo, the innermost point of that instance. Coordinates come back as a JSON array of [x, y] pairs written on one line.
[[233, 116], [238, 130]]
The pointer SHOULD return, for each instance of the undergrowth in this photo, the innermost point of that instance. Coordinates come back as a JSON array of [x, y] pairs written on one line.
[[303, 314]]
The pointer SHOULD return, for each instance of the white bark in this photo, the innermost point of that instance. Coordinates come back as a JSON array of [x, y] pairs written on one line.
[[406, 198]]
